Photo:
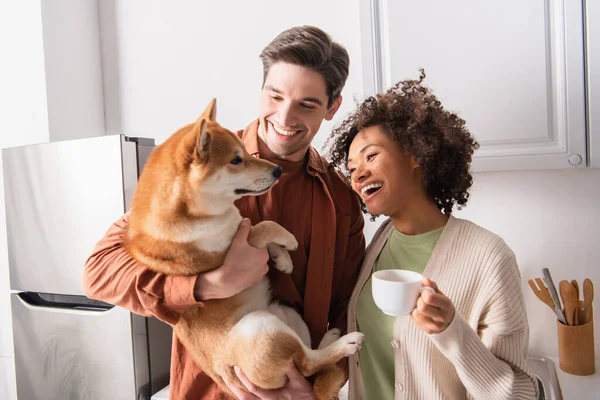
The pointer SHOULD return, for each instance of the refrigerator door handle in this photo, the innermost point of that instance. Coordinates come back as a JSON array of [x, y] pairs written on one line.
[[63, 303]]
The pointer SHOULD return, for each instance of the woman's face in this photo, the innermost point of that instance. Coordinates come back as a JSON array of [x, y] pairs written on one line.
[[381, 173]]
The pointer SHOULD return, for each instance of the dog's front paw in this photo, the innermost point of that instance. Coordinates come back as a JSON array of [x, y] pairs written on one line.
[[281, 258], [352, 342], [288, 242]]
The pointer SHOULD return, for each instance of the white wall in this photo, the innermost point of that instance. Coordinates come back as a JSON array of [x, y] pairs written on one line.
[[73, 69], [550, 219], [23, 120], [163, 61]]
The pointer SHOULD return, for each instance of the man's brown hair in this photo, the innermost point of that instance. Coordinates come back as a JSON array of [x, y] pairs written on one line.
[[310, 47]]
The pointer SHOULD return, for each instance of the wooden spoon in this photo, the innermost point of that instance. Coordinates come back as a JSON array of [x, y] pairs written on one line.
[[588, 297], [578, 310], [568, 295]]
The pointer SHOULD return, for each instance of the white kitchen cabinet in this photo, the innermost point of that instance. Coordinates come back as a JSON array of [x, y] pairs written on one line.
[[592, 50], [513, 69]]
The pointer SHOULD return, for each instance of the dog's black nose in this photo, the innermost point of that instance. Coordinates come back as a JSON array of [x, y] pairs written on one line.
[[277, 172]]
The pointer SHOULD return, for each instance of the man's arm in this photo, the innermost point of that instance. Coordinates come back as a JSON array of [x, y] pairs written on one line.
[[113, 276]]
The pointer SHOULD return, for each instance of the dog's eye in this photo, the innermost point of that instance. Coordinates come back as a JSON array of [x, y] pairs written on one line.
[[236, 160]]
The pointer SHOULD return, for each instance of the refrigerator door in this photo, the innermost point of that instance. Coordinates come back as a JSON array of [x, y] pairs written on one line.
[[83, 352], [61, 197]]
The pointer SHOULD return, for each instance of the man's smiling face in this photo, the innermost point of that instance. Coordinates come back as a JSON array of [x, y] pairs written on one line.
[[293, 105]]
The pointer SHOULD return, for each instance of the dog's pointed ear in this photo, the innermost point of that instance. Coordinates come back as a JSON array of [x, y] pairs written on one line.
[[203, 139], [210, 114]]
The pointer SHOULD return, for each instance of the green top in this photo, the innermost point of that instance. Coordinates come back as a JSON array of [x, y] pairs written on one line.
[[376, 354]]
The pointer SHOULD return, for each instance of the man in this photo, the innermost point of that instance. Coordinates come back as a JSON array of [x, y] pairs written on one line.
[[304, 73]]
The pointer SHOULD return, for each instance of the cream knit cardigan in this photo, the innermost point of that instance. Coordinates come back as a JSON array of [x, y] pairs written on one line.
[[481, 354]]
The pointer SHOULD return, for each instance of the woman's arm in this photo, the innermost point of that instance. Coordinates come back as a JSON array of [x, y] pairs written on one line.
[[491, 362]]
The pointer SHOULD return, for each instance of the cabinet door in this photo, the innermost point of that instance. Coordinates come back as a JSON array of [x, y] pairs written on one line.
[[592, 14], [513, 69]]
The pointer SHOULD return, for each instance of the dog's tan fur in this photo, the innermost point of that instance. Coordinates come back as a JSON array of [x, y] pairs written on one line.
[[182, 222]]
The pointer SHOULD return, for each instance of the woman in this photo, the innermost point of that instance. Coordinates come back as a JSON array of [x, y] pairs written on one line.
[[408, 159]]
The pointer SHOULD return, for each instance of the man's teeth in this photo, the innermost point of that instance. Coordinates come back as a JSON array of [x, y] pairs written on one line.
[[284, 132], [364, 190]]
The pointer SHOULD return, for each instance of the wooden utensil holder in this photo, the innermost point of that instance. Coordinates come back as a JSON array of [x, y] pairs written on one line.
[[576, 348]]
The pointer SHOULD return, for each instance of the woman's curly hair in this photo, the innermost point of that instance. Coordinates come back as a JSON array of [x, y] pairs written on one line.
[[438, 140]]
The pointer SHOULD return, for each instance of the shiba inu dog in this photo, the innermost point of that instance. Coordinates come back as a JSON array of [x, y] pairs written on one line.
[[182, 222]]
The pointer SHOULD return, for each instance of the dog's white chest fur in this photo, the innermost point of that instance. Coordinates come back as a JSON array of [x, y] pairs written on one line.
[[216, 234], [209, 234]]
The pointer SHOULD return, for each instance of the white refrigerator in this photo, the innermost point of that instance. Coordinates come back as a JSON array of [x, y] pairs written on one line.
[[61, 197]]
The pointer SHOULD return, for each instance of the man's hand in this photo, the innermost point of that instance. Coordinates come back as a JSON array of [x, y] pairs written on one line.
[[243, 267], [296, 387], [434, 311]]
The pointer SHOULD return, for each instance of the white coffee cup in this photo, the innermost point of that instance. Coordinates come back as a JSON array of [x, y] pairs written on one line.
[[396, 291]]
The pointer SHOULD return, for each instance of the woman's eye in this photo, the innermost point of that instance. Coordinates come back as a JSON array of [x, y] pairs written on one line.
[[236, 160], [351, 170], [371, 156]]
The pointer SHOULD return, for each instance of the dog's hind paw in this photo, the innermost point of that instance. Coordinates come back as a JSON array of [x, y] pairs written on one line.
[[352, 342]]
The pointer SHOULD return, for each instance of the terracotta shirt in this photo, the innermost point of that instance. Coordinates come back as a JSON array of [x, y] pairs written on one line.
[[329, 259], [294, 215]]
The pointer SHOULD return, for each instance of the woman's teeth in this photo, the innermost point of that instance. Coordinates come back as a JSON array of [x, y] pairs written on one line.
[[370, 186], [284, 132]]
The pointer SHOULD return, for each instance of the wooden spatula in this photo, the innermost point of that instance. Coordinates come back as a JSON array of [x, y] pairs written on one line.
[[588, 297], [579, 308], [569, 295], [541, 291]]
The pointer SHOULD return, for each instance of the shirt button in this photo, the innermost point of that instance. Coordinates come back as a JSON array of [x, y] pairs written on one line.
[[395, 344], [399, 387]]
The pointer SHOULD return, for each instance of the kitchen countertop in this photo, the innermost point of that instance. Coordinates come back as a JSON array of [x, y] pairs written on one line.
[[573, 387], [162, 394]]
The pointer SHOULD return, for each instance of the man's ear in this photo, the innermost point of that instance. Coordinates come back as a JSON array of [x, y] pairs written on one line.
[[333, 109], [203, 139], [210, 114]]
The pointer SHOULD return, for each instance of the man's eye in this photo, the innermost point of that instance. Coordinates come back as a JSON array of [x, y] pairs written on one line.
[[308, 106], [236, 160], [276, 98]]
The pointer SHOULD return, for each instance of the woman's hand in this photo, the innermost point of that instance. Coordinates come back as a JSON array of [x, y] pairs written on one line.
[[296, 387], [434, 311]]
